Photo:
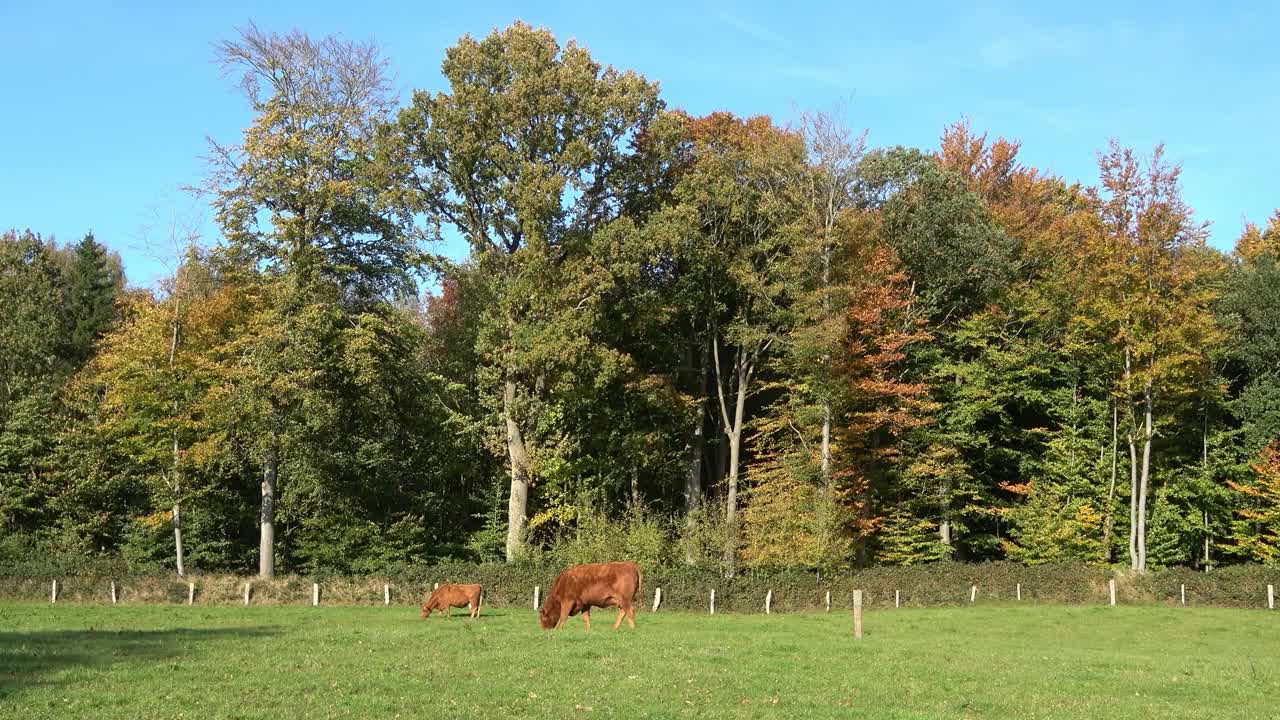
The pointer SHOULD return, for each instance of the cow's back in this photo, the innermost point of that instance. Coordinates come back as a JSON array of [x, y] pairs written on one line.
[[594, 583]]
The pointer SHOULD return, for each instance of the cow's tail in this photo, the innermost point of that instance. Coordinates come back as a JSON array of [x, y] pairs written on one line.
[[639, 585]]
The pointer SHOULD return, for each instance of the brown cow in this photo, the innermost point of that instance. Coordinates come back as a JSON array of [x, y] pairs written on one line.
[[452, 596], [581, 587]]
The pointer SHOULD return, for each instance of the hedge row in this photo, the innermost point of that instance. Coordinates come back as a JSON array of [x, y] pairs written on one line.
[[688, 588]]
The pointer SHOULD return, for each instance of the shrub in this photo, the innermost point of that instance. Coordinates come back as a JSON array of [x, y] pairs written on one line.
[[683, 587]]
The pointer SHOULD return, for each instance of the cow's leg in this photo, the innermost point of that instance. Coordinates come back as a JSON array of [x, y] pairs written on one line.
[[474, 610], [631, 616], [564, 615], [586, 617], [621, 614]]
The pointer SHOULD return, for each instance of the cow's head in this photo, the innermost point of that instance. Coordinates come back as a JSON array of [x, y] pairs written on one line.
[[426, 611], [549, 614]]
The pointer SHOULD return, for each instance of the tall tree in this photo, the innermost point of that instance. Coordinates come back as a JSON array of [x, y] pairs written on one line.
[[959, 260], [159, 375], [739, 199], [301, 191], [522, 156], [30, 375], [307, 163], [834, 153], [1148, 291], [1256, 533], [94, 280]]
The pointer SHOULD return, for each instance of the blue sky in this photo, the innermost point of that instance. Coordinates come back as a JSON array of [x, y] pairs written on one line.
[[106, 109]]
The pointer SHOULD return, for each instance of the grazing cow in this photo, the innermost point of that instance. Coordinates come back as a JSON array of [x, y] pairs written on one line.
[[581, 587], [452, 596]]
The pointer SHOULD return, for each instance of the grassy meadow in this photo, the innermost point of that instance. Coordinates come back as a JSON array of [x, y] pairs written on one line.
[[986, 661]]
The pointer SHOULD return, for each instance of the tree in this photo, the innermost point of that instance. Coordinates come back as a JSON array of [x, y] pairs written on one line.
[[958, 260], [1257, 531], [834, 154], [159, 376], [827, 516], [1250, 307], [522, 156], [308, 163], [1148, 292], [30, 376], [94, 279], [737, 199]]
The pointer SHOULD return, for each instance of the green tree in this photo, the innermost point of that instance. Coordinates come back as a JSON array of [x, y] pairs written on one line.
[[94, 280], [523, 156], [30, 376], [1149, 293], [332, 235]]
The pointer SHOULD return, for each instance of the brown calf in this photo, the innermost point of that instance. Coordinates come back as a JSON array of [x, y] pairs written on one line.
[[581, 587], [452, 596]]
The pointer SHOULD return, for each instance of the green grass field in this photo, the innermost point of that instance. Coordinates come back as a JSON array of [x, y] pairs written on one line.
[[91, 661]]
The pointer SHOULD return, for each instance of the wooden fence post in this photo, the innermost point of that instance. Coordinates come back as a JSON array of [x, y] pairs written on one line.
[[1019, 591], [315, 594], [191, 593], [246, 594], [436, 586], [1184, 594], [386, 594], [53, 594], [768, 602], [828, 601], [1111, 586], [713, 601], [857, 614], [1271, 597], [657, 599], [897, 598], [537, 592], [973, 594], [113, 592]]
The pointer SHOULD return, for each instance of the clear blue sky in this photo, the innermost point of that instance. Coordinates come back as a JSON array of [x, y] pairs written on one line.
[[105, 110]]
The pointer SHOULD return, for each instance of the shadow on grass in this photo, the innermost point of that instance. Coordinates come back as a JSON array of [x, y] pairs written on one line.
[[34, 659], [485, 614]]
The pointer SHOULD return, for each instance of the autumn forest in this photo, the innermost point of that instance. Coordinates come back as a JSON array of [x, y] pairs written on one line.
[[728, 342]]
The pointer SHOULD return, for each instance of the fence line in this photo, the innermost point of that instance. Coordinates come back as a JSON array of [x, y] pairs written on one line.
[[57, 591]]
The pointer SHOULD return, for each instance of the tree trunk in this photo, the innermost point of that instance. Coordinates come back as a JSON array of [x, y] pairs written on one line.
[[731, 505], [826, 446], [1204, 464], [1133, 502], [693, 473], [267, 516], [1145, 480], [743, 367], [519, 500], [177, 538], [944, 526], [1109, 525], [1133, 469], [944, 502], [177, 480], [1207, 538], [735, 454], [177, 509], [826, 359], [635, 487]]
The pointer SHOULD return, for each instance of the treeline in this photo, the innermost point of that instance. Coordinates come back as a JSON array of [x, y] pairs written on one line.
[[714, 341]]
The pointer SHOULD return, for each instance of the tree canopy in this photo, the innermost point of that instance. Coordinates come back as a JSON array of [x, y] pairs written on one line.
[[726, 341]]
